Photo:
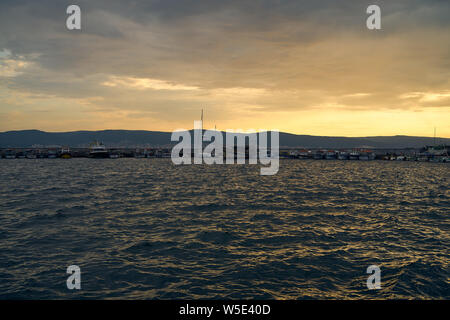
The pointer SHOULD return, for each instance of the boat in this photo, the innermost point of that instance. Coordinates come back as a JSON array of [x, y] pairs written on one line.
[[318, 155], [354, 155], [10, 154], [364, 157], [40, 154], [422, 158], [139, 154], [52, 154], [20, 155], [342, 155], [65, 153], [150, 153], [98, 150], [304, 154], [114, 154], [367, 155], [30, 154], [166, 153], [330, 155], [293, 154]]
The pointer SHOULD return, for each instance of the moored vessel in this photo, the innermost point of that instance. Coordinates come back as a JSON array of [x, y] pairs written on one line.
[[343, 155], [10, 154], [51, 154], [354, 155], [98, 150], [364, 157], [138, 153], [318, 155], [330, 155], [20, 155], [114, 154], [304, 154], [65, 153], [30, 154]]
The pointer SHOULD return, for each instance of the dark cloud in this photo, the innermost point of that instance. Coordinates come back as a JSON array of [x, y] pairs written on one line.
[[301, 53]]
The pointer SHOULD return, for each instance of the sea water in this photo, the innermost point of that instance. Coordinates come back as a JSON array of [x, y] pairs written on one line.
[[147, 229]]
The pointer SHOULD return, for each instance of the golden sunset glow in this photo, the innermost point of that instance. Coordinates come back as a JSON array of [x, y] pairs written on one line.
[[301, 69]]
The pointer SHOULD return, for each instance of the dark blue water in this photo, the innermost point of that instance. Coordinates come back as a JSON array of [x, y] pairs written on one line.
[[144, 229]]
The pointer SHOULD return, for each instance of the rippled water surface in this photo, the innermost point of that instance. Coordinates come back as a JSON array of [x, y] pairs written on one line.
[[145, 229]]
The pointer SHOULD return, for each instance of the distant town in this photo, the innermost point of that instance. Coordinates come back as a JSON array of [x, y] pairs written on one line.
[[439, 153]]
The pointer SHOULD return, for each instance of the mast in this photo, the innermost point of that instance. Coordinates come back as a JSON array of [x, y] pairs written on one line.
[[434, 141]]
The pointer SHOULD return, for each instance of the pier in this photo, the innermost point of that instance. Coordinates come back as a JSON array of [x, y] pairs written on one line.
[[425, 154]]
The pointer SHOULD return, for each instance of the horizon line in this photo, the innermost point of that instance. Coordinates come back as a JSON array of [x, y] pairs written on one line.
[[224, 131]]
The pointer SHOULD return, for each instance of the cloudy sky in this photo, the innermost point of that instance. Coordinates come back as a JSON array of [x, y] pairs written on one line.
[[306, 67]]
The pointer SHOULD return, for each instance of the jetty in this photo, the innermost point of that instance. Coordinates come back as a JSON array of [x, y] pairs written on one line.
[[426, 154]]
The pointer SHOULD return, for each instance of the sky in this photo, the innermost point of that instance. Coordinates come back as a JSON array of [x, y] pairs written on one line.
[[304, 67]]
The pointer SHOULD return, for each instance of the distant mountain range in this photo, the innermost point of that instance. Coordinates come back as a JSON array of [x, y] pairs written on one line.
[[141, 138]]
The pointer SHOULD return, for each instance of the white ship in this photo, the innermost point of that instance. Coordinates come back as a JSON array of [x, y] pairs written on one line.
[[98, 150], [354, 155]]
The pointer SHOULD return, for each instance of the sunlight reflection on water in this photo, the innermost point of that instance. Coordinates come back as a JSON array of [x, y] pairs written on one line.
[[144, 228]]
